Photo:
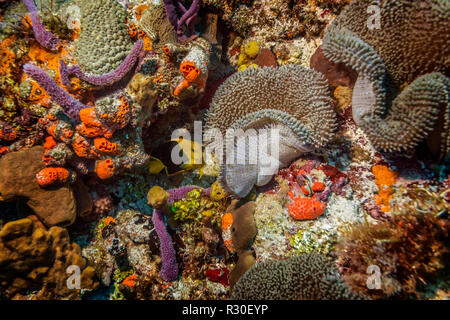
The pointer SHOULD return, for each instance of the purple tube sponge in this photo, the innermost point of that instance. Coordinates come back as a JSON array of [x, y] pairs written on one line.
[[169, 265], [105, 79], [70, 105], [187, 16], [45, 38]]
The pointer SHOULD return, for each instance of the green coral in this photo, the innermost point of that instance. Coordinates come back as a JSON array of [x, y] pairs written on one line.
[[188, 208], [104, 41], [309, 242]]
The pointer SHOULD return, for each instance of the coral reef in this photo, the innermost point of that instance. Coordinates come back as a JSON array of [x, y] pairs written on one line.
[[313, 137], [305, 277]]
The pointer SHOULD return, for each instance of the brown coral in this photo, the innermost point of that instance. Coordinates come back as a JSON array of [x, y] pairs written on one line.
[[408, 250], [56, 206], [35, 260]]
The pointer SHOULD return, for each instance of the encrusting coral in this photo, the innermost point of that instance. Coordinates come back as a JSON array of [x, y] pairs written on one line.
[[292, 99], [409, 48], [303, 277], [158, 28], [37, 263], [239, 232]]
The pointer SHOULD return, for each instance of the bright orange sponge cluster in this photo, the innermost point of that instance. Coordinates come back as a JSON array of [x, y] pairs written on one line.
[[306, 208], [52, 175]]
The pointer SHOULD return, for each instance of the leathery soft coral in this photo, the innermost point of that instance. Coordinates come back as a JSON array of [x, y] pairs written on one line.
[[410, 50]]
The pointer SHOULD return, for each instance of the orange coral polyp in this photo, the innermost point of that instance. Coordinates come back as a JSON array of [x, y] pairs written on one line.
[[227, 221], [105, 169], [109, 220], [81, 147], [384, 179], [51, 175], [49, 143], [130, 281], [189, 70], [306, 208], [89, 118], [104, 146], [318, 186]]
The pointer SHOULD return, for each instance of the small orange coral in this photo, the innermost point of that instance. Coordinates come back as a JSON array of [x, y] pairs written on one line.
[[306, 208], [81, 147], [120, 119], [384, 179], [105, 147], [91, 127], [49, 142], [89, 118], [318, 186], [51, 175], [109, 220], [130, 281], [191, 74], [7, 56], [105, 169], [227, 221]]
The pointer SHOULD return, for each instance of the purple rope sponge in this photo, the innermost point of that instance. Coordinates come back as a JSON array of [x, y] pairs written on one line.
[[105, 79], [187, 16], [169, 265], [45, 38], [70, 105]]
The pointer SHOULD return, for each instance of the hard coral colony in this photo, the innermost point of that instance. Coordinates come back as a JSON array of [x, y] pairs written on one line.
[[247, 150]]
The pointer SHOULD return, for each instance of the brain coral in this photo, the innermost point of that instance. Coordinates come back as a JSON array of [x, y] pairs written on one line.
[[104, 41], [304, 277], [292, 99], [410, 47]]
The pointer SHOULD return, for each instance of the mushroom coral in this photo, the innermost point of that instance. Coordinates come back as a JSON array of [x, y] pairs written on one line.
[[410, 51], [291, 100]]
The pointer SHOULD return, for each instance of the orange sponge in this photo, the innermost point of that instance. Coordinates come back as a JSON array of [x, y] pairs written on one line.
[[306, 208], [49, 176], [105, 147], [105, 169]]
